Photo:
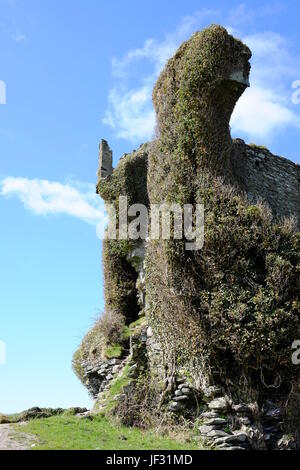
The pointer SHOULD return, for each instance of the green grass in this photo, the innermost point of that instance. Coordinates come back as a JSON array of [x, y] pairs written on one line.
[[71, 433], [114, 350], [138, 323], [116, 388]]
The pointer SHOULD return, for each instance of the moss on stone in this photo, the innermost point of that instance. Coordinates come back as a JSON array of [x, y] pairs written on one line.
[[91, 349], [229, 312], [115, 389], [229, 306], [113, 351], [120, 277], [129, 179]]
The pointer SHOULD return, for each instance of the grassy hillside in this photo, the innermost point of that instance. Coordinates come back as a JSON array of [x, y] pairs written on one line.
[[71, 433]]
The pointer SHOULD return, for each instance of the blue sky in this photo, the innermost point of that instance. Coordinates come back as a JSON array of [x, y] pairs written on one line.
[[77, 71]]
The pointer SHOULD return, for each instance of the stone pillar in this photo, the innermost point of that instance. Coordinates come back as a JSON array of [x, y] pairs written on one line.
[[105, 160]]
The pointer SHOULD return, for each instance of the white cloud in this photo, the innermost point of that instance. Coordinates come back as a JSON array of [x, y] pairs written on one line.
[[260, 112], [154, 51], [266, 107], [130, 112], [158, 52], [272, 60], [263, 111], [44, 197]]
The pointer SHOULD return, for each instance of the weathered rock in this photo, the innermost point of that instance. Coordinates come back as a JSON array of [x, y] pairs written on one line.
[[183, 385], [240, 436], [185, 390], [222, 446], [219, 404], [233, 448], [233, 438], [115, 369], [241, 408], [287, 442], [216, 421], [181, 398], [210, 414], [256, 436], [272, 412], [181, 380], [176, 406], [149, 332], [114, 361], [105, 160], [244, 421], [217, 433], [212, 391], [204, 429]]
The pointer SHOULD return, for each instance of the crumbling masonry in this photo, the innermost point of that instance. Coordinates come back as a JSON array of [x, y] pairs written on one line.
[[210, 331]]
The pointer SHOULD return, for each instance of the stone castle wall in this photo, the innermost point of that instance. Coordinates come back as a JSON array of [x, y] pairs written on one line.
[[229, 419], [273, 179]]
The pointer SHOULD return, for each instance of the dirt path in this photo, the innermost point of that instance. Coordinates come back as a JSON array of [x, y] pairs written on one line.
[[12, 440]]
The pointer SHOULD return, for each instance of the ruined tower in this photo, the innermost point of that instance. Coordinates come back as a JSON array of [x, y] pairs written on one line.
[[105, 160]]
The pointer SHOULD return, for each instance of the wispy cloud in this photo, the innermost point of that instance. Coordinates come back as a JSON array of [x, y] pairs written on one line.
[[43, 197], [264, 109], [19, 37], [244, 14], [130, 112], [12, 16]]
